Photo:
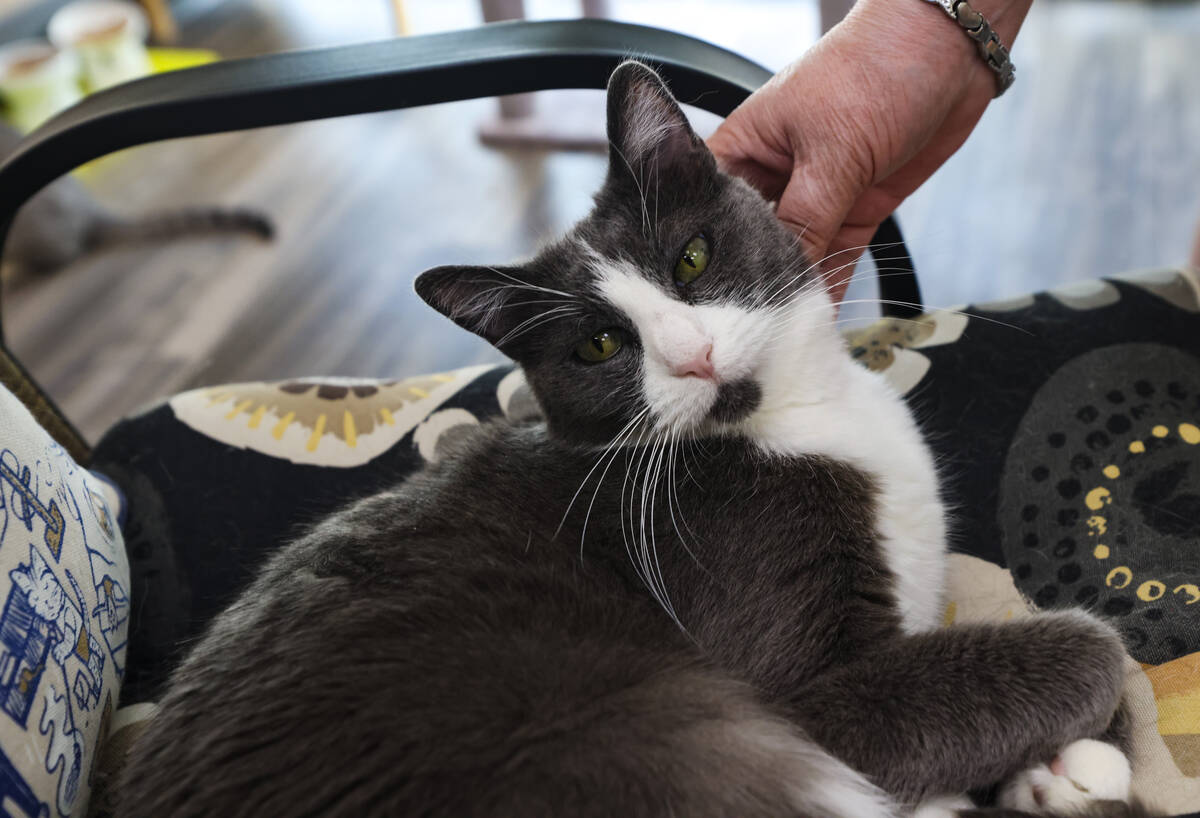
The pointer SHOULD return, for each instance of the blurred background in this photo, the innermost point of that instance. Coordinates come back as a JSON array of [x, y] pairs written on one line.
[[1088, 166]]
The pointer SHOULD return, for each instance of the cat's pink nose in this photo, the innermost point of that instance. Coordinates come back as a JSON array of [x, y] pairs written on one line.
[[699, 365]]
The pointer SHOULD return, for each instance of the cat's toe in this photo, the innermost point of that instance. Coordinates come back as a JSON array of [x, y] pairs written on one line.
[[1095, 768], [1085, 771]]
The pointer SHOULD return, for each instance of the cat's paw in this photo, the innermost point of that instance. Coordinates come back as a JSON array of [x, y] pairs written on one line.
[[1085, 771]]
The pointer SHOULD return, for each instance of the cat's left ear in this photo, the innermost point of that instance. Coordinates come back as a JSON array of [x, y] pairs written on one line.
[[478, 299], [647, 130]]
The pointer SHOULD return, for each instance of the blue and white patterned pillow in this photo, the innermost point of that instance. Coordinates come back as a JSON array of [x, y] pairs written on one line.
[[64, 612]]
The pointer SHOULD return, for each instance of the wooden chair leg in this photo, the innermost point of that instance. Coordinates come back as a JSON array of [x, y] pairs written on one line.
[[162, 21], [1195, 261], [400, 18]]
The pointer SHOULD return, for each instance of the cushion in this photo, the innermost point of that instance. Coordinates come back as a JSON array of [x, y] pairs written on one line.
[[1066, 423], [64, 583]]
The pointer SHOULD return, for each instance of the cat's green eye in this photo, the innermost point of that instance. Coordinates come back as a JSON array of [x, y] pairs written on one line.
[[600, 347], [692, 261]]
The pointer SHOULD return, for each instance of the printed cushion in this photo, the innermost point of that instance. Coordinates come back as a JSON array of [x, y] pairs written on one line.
[[64, 582], [1067, 425]]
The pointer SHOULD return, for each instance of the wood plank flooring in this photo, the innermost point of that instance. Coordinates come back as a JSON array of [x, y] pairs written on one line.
[[1089, 166]]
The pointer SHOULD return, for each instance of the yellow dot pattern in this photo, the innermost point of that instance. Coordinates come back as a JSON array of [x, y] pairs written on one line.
[[1119, 577], [1150, 590]]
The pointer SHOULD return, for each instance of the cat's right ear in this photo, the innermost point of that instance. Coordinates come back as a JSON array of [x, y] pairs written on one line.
[[478, 299]]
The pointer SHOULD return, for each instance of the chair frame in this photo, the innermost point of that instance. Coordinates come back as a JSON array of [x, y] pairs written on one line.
[[277, 89]]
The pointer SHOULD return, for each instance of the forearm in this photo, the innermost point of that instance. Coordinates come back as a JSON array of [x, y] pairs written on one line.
[[918, 35]]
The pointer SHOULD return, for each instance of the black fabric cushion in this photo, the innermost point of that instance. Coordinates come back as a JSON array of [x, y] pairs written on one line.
[[202, 515], [1067, 427]]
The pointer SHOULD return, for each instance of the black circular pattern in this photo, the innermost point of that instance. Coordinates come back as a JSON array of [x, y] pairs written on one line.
[[1105, 451], [1118, 424], [1081, 463], [1068, 517], [1069, 488], [1069, 573]]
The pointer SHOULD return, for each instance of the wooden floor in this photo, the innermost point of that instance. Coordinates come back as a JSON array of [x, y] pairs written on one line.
[[1090, 165]]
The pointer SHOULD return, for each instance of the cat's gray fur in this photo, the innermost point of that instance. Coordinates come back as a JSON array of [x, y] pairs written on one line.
[[448, 647], [63, 222]]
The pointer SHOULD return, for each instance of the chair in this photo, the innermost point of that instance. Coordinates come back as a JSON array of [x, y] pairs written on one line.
[[1068, 422]]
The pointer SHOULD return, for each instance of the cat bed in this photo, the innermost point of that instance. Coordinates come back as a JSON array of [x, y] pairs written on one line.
[[1067, 425]]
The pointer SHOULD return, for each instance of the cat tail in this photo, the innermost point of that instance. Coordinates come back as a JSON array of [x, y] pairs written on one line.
[[814, 783], [684, 742], [191, 221]]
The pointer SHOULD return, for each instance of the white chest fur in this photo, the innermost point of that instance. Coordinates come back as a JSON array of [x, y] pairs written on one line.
[[864, 423]]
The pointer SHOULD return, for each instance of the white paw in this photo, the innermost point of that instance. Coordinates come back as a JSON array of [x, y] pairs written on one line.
[[943, 806], [1084, 771]]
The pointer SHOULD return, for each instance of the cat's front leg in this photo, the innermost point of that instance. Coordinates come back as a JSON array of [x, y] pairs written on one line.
[[966, 707]]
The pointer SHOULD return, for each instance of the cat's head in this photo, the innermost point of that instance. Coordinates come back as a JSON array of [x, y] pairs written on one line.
[[678, 305]]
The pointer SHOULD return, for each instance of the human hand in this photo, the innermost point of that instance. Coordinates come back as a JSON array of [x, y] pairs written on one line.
[[843, 135]]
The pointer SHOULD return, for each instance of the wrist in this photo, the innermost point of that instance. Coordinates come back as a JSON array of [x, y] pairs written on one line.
[[918, 38]]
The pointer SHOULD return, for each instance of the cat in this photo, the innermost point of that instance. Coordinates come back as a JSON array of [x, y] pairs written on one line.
[[63, 222], [708, 583]]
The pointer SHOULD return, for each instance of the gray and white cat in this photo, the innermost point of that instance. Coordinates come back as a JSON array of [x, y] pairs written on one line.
[[63, 221], [706, 585]]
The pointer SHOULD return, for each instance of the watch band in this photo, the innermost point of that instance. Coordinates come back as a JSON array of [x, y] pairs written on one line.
[[976, 26]]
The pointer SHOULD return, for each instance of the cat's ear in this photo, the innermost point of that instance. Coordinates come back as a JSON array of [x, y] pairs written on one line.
[[647, 130], [478, 299]]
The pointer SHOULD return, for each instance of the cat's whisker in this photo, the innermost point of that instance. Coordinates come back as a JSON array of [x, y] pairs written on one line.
[[788, 303], [826, 275], [647, 511], [782, 295], [527, 285], [618, 440], [931, 309], [533, 323], [673, 490], [631, 540], [637, 180], [663, 595]]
